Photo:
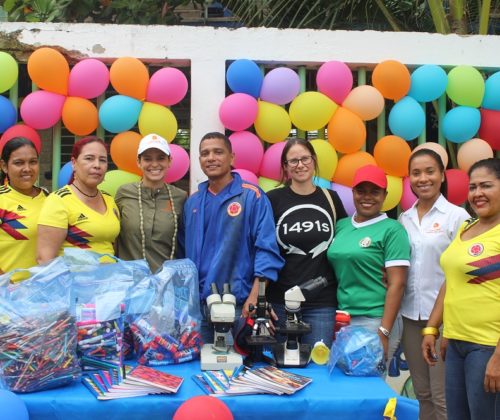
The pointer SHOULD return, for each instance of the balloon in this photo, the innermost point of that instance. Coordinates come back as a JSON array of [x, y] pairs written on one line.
[[13, 406], [130, 77], [115, 179], [272, 123], [248, 151], [64, 175], [321, 182], [365, 101], [179, 165], [244, 76], [157, 119], [21, 130], [392, 79], [472, 151], [238, 111], [9, 71], [407, 118], [247, 176], [203, 407], [8, 114], [327, 158], [461, 123], [346, 131], [334, 79], [392, 154], [80, 116], [49, 70], [123, 151], [271, 162], [491, 99], [394, 192], [41, 109], [119, 113], [280, 86], [167, 86], [428, 83], [311, 111], [88, 79], [465, 86], [490, 128], [457, 186], [268, 184], [349, 164], [345, 194], [436, 147], [408, 198]]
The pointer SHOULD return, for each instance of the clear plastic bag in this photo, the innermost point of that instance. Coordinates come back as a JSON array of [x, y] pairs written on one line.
[[357, 352]]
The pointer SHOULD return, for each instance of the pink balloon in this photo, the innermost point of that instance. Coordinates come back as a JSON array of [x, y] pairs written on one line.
[[334, 79], [248, 151], [180, 163], [167, 86], [271, 166], [345, 194], [238, 111], [247, 176], [408, 198], [41, 109], [88, 79], [457, 182], [280, 86]]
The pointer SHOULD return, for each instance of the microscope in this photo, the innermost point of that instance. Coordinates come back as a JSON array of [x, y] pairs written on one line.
[[293, 353], [221, 309]]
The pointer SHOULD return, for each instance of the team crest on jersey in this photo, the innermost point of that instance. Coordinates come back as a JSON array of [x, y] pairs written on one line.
[[365, 242], [234, 209], [476, 249]]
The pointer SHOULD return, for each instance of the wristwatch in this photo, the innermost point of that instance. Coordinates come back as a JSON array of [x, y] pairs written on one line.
[[384, 331]]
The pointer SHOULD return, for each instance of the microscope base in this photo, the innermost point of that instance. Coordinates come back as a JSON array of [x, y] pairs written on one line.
[[216, 360], [291, 358]]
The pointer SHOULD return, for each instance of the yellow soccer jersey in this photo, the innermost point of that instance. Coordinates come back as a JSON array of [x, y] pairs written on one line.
[[87, 229], [18, 228], [472, 300]]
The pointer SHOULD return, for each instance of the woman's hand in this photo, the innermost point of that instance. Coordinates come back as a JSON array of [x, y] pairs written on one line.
[[429, 349], [385, 344], [492, 374]]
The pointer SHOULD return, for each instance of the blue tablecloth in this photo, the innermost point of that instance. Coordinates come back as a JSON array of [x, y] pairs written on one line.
[[336, 396]]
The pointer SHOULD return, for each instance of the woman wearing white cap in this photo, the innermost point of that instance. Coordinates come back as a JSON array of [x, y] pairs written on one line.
[[150, 209]]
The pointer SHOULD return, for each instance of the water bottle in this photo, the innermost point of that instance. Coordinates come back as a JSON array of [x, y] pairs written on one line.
[[342, 319]]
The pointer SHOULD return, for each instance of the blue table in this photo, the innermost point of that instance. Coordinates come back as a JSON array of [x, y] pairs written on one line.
[[337, 396]]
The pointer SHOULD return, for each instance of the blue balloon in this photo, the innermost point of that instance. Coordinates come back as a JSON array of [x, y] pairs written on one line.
[[428, 83], [244, 76], [461, 123], [322, 182], [407, 118], [13, 407], [64, 175], [119, 113], [8, 114], [491, 98]]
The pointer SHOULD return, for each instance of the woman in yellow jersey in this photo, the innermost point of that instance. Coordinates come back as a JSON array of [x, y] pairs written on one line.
[[20, 204], [79, 214], [468, 305]]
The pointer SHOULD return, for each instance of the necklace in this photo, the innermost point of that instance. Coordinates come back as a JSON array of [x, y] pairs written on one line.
[[86, 195]]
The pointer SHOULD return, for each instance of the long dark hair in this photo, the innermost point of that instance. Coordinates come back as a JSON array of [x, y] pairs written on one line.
[[11, 146], [78, 146], [434, 155], [289, 144]]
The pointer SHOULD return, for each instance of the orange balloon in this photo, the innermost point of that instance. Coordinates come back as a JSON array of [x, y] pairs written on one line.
[[349, 164], [80, 116], [346, 131], [472, 151], [365, 101], [130, 77], [123, 151], [392, 154], [392, 79], [49, 70]]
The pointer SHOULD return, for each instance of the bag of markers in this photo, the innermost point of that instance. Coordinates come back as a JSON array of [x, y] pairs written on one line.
[[37, 331], [166, 326]]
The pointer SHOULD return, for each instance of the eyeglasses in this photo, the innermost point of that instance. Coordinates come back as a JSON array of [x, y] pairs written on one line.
[[305, 160]]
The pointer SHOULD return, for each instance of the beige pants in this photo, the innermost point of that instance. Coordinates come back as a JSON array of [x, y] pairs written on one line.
[[428, 382]]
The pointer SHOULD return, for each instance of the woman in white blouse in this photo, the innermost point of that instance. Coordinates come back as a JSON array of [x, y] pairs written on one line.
[[431, 223]]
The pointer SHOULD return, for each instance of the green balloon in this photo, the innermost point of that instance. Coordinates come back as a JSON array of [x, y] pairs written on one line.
[[115, 179], [465, 86], [268, 184], [9, 71]]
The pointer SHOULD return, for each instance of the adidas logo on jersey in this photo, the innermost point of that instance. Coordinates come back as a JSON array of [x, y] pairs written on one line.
[[82, 217], [20, 208]]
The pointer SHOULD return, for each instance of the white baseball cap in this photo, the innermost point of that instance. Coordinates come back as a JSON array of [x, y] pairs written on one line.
[[153, 141]]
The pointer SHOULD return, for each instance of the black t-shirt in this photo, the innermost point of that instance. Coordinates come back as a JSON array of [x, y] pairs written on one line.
[[304, 230]]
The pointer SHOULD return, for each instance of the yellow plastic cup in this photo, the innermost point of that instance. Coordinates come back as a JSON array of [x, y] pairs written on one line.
[[320, 353]]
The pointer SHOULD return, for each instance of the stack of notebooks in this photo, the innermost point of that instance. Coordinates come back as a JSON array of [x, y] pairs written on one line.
[[138, 381], [244, 381]]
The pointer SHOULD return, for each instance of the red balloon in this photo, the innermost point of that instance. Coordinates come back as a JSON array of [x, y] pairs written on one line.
[[203, 407], [490, 128], [21, 130], [457, 185]]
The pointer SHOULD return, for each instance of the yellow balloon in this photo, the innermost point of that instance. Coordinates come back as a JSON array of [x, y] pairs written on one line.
[[394, 192], [268, 184], [272, 123], [157, 119], [327, 158], [311, 110], [115, 179]]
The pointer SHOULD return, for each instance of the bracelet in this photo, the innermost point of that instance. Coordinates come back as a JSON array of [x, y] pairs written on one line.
[[384, 331], [430, 331]]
